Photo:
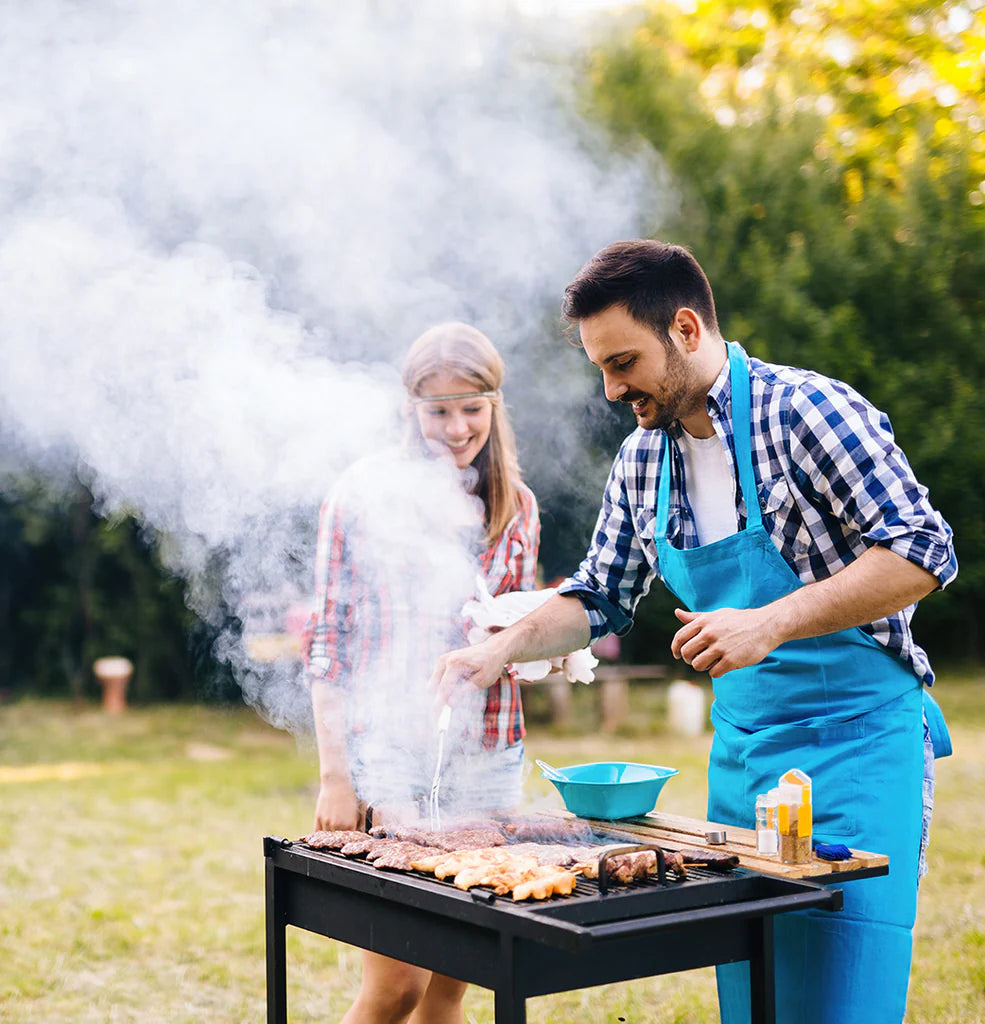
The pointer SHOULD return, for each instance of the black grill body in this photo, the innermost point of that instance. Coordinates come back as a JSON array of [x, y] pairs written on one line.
[[530, 948]]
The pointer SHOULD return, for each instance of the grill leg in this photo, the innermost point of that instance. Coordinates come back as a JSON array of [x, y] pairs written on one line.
[[511, 1007], [761, 978], [276, 949]]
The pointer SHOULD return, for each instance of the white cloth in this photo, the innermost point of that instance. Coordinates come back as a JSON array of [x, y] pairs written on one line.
[[488, 613], [710, 486]]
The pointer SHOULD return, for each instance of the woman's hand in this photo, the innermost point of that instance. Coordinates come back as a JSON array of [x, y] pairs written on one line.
[[338, 806]]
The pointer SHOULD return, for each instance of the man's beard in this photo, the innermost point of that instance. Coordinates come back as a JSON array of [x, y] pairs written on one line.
[[677, 397]]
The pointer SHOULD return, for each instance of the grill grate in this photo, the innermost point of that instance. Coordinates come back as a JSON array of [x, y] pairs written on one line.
[[585, 888]]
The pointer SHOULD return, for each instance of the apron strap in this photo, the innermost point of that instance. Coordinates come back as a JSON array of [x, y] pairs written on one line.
[[663, 488], [741, 438], [742, 433]]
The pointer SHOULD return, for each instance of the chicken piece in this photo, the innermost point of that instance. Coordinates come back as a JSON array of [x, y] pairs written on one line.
[[507, 880], [463, 859], [540, 888], [322, 840], [430, 861], [481, 873]]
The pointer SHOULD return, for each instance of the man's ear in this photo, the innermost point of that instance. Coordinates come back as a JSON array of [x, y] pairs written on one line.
[[690, 328]]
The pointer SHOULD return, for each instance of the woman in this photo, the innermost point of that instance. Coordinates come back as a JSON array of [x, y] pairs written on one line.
[[398, 549]]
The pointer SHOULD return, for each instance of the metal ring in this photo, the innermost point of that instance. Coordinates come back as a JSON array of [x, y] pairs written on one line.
[[716, 838]]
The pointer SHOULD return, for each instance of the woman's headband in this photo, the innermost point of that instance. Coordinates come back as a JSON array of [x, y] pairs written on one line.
[[420, 399]]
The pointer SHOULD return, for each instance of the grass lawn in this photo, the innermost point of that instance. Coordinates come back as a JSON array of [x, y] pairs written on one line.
[[131, 867]]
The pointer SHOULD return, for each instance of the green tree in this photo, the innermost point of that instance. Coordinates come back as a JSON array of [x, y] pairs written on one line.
[[76, 586], [829, 162]]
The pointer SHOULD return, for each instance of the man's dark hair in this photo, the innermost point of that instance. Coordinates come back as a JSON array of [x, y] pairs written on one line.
[[652, 279]]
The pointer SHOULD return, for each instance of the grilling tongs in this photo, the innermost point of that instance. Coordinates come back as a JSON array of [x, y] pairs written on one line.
[[434, 810]]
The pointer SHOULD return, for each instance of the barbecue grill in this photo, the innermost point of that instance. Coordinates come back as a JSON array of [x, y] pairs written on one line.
[[520, 950]]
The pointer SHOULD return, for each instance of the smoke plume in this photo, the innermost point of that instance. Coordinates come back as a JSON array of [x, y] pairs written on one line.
[[222, 224]]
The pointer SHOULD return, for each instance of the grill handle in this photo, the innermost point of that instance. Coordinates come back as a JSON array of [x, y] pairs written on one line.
[[615, 851]]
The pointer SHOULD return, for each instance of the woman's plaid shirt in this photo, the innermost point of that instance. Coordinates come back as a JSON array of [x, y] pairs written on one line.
[[832, 482], [369, 622]]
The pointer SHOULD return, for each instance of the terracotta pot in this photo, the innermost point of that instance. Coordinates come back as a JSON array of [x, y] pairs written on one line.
[[113, 674]]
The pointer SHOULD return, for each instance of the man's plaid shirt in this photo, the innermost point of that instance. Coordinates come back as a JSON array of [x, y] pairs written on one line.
[[373, 619], [832, 482]]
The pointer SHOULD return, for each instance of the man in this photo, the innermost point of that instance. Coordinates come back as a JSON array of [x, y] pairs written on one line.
[[775, 503]]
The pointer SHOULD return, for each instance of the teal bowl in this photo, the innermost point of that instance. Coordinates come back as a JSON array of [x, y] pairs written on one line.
[[611, 789]]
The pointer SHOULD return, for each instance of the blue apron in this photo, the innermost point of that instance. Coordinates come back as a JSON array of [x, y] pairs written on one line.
[[846, 711]]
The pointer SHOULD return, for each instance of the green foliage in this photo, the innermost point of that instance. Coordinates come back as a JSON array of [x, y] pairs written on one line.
[[76, 587], [829, 159], [828, 166]]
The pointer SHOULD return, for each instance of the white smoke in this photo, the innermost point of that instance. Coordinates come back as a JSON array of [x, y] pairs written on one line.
[[222, 224]]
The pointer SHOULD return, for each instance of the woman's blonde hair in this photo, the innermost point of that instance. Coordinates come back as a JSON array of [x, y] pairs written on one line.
[[466, 352]]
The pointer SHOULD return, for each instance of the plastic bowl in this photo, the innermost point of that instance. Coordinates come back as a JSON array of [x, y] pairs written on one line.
[[611, 789]]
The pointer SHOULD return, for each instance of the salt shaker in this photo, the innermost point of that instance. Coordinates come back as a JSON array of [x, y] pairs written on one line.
[[767, 840]]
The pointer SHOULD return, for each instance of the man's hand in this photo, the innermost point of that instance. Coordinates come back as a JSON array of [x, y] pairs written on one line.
[[558, 627], [729, 638], [480, 665], [878, 583]]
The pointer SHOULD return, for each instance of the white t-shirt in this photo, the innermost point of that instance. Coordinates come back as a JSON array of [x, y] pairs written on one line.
[[710, 486]]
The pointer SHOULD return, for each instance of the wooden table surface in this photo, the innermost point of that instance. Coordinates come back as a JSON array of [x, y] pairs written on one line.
[[675, 832]]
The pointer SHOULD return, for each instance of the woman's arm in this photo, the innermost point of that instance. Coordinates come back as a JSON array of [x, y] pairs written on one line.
[[337, 806]]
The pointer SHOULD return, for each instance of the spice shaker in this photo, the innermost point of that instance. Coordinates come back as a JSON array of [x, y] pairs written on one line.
[[794, 817], [767, 840]]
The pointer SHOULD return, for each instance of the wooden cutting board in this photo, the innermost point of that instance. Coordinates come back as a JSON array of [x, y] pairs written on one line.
[[676, 832]]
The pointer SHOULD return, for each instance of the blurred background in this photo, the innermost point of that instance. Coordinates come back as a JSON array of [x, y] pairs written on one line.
[[221, 227], [220, 231]]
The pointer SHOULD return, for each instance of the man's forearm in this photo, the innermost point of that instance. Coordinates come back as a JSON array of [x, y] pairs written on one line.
[[877, 584], [557, 627]]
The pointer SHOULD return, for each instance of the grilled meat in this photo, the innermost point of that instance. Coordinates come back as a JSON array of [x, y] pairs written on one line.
[[470, 839], [505, 858], [322, 840], [397, 856], [628, 867], [556, 853], [547, 884], [713, 859], [674, 861], [546, 830], [457, 839], [360, 846]]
